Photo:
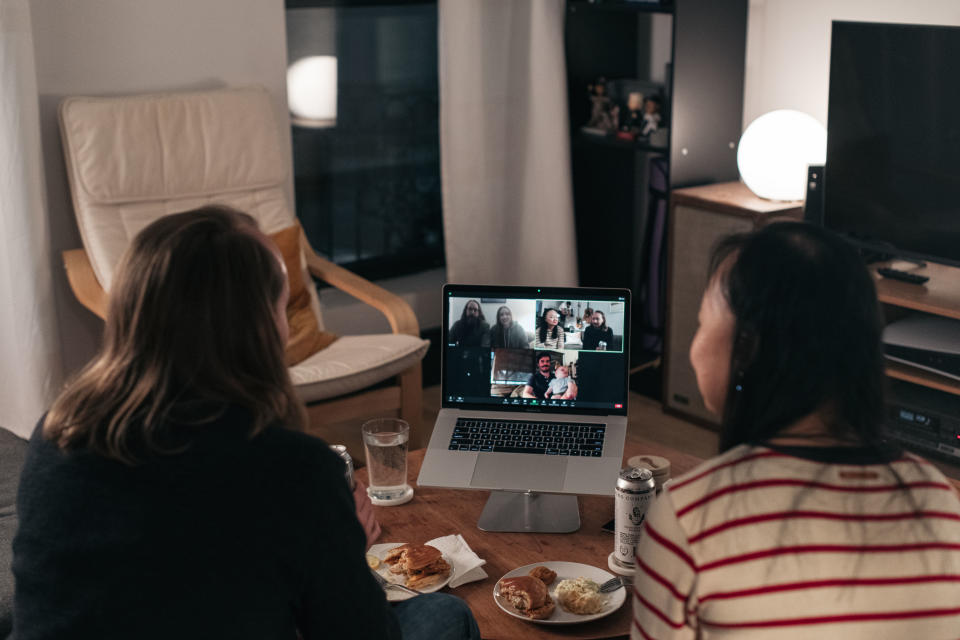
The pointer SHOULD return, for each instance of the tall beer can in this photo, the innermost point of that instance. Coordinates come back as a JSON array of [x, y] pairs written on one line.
[[634, 492], [341, 450]]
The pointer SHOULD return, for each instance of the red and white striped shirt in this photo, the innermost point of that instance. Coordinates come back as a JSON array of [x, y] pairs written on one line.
[[759, 543]]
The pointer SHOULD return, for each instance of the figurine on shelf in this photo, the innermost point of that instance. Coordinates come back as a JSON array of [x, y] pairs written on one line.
[[603, 116], [651, 115], [633, 122]]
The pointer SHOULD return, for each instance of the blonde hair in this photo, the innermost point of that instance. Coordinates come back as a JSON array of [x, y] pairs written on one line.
[[190, 330]]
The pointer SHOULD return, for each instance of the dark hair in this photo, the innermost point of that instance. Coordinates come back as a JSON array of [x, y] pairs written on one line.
[[542, 330], [540, 355], [190, 329], [604, 325], [479, 308], [498, 334], [806, 337]]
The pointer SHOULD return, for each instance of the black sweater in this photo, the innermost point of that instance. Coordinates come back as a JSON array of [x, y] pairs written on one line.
[[234, 538]]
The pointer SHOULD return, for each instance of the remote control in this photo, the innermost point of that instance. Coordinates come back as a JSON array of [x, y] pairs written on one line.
[[896, 274]]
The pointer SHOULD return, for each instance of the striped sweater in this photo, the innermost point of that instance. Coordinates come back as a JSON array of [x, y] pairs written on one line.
[[763, 543]]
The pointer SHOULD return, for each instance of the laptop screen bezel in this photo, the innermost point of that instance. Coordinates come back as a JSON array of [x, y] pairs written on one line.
[[534, 293]]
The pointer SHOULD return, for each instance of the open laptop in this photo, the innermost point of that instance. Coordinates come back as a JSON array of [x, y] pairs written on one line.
[[535, 417]]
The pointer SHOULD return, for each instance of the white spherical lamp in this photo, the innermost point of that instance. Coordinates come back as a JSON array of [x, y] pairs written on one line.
[[775, 150], [312, 91]]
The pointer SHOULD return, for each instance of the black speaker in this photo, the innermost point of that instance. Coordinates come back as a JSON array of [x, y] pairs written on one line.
[[813, 205]]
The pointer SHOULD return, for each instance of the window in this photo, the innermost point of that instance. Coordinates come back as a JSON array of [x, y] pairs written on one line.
[[367, 174]]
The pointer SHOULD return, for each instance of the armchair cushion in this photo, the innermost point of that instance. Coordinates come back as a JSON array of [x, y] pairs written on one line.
[[133, 159], [355, 362], [306, 338]]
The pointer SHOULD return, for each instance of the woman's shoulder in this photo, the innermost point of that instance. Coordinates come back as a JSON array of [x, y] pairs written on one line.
[[707, 472], [279, 440]]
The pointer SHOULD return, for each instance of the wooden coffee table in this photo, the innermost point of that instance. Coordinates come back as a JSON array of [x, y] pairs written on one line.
[[437, 512]]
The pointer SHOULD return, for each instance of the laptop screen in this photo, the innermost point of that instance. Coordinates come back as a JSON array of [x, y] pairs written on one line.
[[537, 349]]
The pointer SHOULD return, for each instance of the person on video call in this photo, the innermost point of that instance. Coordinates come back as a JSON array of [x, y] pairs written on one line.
[[549, 332], [471, 328], [562, 387], [585, 320], [170, 491], [810, 524], [597, 332], [539, 380], [505, 334]]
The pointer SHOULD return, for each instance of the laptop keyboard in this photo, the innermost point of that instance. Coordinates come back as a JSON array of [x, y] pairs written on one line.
[[512, 436]]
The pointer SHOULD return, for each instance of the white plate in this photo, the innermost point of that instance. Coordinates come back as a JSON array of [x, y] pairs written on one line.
[[395, 595], [565, 571]]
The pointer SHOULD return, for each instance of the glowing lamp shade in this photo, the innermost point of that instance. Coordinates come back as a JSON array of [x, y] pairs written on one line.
[[312, 91], [775, 150]]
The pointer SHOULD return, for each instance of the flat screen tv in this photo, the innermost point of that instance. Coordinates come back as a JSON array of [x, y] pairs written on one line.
[[892, 175]]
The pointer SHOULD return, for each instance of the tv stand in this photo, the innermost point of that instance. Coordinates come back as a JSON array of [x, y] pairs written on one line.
[[940, 297]]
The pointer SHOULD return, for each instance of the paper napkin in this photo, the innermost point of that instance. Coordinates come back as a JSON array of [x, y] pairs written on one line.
[[467, 565]]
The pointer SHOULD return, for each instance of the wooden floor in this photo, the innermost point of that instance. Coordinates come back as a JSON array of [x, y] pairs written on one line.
[[645, 415]]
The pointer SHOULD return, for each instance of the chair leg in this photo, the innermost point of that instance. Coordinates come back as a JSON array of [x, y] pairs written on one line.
[[411, 404]]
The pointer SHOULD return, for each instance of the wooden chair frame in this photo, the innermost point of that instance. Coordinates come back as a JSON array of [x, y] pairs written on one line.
[[406, 395]]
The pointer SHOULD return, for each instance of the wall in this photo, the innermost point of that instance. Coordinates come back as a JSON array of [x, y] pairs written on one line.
[[106, 47], [102, 47], [788, 47]]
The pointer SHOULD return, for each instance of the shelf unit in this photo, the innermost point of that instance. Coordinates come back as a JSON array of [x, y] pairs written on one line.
[[694, 50], [939, 296]]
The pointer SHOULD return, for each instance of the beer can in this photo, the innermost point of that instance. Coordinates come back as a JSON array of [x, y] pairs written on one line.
[[341, 450], [634, 492]]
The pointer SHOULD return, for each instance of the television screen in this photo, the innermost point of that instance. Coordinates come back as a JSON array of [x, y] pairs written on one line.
[[892, 176]]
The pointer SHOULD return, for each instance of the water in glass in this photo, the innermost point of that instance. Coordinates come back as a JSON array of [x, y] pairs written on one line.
[[386, 449]]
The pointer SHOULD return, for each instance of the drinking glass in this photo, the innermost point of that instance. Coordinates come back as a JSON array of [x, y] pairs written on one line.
[[385, 442]]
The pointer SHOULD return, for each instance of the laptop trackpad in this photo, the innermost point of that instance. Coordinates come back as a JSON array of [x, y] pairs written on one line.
[[514, 471]]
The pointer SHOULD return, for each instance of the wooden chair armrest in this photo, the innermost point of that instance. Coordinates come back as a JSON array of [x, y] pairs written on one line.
[[84, 281], [398, 312]]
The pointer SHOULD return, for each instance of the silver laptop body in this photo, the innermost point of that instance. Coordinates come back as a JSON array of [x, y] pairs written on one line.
[[600, 405]]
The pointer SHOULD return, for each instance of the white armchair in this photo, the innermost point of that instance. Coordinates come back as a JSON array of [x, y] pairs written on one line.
[[133, 159]]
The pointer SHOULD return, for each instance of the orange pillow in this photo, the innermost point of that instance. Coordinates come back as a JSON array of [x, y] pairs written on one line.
[[306, 338]]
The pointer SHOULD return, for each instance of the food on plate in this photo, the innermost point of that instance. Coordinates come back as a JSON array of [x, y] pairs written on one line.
[[373, 561], [421, 564], [544, 574], [580, 595], [528, 595]]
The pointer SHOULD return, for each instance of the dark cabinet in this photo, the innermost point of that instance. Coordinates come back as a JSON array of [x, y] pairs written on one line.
[[690, 55]]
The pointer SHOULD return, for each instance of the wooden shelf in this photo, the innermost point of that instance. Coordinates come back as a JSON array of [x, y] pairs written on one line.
[[640, 144], [923, 377], [940, 295]]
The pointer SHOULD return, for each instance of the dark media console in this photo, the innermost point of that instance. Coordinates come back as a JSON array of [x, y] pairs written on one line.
[[922, 345], [925, 418]]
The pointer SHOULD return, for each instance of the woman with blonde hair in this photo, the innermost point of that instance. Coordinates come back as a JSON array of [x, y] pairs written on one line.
[[170, 491]]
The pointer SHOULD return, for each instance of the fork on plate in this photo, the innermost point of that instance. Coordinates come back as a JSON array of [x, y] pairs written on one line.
[[386, 584], [612, 584]]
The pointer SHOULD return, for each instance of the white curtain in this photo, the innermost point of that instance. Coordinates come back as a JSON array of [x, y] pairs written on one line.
[[30, 368], [505, 143]]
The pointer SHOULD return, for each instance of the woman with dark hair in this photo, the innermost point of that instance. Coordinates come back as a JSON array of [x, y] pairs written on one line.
[[506, 334], [597, 332], [549, 332], [810, 523], [170, 492]]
